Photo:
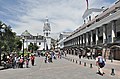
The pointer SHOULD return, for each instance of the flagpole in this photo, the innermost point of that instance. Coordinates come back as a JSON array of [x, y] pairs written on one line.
[[87, 3]]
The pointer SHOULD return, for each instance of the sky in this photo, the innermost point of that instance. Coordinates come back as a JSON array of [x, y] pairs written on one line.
[[64, 15]]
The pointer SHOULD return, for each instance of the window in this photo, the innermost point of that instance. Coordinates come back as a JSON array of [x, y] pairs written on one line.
[[46, 34], [39, 43], [89, 18], [84, 21]]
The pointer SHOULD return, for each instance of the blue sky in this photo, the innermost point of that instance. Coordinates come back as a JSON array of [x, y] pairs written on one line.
[[64, 15]]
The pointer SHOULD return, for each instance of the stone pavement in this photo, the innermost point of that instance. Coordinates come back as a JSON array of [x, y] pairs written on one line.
[[59, 69], [107, 69]]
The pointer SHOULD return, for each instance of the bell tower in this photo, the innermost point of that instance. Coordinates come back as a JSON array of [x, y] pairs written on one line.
[[46, 28], [47, 38]]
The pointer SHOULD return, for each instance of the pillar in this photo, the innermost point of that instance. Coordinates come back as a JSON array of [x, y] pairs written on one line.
[[86, 39], [83, 40], [80, 40], [96, 36], [113, 30], [91, 43], [104, 34]]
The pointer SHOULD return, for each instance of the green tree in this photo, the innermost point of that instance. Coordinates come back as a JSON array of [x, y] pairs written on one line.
[[30, 47], [18, 44], [35, 47], [8, 40]]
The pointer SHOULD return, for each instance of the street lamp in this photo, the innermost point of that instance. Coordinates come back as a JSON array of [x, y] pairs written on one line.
[[23, 39], [2, 26]]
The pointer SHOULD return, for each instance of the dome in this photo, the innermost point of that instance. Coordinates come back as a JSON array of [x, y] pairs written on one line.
[[26, 33], [46, 25]]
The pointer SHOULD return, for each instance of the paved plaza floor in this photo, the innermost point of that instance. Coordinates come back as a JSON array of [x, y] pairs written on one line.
[[59, 69]]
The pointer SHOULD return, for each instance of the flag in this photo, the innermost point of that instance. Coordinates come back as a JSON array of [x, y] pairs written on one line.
[[87, 3]]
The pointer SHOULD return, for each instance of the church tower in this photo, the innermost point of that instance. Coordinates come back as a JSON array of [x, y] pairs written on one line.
[[47, 38]]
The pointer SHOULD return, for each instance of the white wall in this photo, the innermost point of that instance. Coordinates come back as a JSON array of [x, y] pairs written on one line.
[[48, 41], [93, 14]]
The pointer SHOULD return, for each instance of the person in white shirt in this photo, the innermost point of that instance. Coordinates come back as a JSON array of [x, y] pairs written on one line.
[[100, 63]]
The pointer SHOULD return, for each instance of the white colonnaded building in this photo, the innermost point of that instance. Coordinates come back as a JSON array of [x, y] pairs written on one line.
[[100, 30]]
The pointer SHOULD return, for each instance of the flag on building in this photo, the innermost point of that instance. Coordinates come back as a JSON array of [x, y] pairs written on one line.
[[87, 3]]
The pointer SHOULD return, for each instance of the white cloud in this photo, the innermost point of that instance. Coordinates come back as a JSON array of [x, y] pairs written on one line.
[[63, 14]]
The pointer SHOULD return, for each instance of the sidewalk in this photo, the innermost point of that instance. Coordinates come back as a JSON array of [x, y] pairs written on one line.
[[1, 67], [107, 69]]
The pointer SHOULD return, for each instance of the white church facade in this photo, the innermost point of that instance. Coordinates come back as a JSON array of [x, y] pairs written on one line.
[[43, 42]]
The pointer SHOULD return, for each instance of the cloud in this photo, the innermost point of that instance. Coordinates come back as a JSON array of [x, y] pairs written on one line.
[[64, 15]]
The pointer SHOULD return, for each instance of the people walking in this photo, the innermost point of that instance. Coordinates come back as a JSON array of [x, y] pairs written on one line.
[[14, 58], [32, 59], [27, 60], [21, 62], [100, 62]]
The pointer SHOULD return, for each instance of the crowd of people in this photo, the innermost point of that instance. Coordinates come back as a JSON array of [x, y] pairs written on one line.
[[50, 55], [17, 61]]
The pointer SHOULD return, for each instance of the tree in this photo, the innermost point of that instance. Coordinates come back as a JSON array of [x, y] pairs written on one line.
[[32, 47], [8, 40], [35, 47], [18, 44]]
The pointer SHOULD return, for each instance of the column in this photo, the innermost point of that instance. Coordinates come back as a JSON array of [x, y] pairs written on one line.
[[74, 51], [86, 39], [104, 33], [96, 36], [83, 39], [80, 40], [74, 41], [113, 30], [70, 51], [77, 40], [91, 38]]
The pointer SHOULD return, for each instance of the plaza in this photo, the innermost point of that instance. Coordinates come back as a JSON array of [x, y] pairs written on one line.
[[59, 69], [60, 39]]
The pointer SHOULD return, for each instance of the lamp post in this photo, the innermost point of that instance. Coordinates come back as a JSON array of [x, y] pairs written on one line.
[[23, 39]]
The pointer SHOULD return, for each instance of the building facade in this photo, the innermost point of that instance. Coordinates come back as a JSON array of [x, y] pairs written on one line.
[[62, 37], [43, 42], [101, 30], [29, 38]]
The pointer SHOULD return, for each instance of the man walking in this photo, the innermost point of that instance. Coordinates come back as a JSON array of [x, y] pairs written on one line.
[[100, 63], [32, 59]]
